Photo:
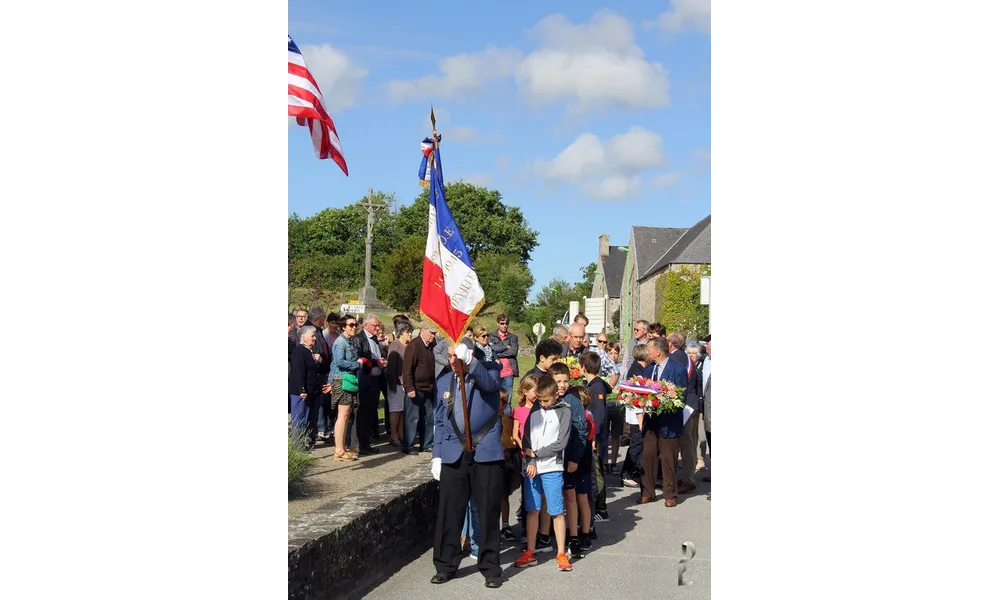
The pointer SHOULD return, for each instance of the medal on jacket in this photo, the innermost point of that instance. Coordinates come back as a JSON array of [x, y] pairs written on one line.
[[449, 394]]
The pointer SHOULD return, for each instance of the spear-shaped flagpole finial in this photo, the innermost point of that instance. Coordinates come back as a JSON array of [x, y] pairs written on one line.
[[434, 129]]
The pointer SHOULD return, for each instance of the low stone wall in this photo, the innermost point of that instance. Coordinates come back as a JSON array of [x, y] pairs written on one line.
[[344, 551]]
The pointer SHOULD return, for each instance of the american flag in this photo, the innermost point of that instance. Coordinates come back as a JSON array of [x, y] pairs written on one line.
[[305, 103]]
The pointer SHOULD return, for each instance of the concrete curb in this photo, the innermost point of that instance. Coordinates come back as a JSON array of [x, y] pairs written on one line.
[[343, 551]]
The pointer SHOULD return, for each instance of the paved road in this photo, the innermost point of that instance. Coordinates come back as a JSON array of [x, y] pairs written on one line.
[[636, 553]]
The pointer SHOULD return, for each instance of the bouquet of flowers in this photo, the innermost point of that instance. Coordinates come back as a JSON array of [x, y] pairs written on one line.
[[575, 373], [652, 397], [613, 400]]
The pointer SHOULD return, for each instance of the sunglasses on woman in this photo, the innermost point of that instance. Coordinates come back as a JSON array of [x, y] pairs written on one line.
[[602, 341]]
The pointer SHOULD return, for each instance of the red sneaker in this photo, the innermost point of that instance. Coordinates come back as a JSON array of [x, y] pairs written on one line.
[[562, 561], [527, 559]]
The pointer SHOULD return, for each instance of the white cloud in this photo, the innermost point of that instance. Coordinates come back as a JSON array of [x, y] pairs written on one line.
[[470, 135], [663, 180], [611, 169], [461, 134], [464, 74], [703, 158], [683, 15], [480, 179], [615, 187], [339, 79], [592, 64]]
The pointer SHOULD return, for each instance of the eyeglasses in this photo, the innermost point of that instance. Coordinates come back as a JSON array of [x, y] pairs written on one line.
[[350, 325], [503, 323], [602, 341]]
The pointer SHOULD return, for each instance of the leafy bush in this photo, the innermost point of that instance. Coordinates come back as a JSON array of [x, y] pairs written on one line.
[[505, 282], [401, 273], [320, 271], [679, 307]]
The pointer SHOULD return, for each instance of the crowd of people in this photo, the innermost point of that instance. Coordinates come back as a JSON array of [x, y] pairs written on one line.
[[342, 369], [554, 441]]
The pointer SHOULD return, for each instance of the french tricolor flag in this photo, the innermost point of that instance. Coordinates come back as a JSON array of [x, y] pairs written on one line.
[[451, 295]]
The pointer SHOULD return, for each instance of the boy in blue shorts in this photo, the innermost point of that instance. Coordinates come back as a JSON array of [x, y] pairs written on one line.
[[576, 453], [546, 437]]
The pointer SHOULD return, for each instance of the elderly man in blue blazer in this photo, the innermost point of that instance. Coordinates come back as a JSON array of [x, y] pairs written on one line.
[[661, 434], [465, 472]]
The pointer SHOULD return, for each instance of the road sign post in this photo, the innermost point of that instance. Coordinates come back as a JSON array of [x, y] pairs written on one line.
[[706, 297], [539, 330]]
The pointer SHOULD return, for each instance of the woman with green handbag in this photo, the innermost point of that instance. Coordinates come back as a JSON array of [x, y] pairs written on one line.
[[343, 386]]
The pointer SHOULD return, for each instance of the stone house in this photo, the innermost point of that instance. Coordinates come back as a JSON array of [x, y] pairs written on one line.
[[651, 252], [608, 279]]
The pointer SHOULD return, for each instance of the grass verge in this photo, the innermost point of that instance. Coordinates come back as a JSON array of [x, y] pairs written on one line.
[[298, 460]]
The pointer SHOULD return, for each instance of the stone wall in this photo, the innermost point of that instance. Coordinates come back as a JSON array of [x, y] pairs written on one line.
[[343, 551], [647, 300]]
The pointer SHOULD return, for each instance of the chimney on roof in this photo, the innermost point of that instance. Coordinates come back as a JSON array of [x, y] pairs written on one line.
[[605, 241]]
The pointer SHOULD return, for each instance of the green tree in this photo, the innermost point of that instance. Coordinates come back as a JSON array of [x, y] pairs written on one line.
[[324, 272], [505, 282], [584, 288], [296, 246], [400, 274], [487, 224], [679, 305], [552, 302], [341, 231]]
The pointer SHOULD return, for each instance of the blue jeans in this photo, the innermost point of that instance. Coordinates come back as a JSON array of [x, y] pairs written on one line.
[[327, 415], [507, 383], [418, 418], [470, 530], [305, 412]]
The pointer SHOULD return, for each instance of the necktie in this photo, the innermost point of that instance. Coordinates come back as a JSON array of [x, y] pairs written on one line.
[[656, 372]]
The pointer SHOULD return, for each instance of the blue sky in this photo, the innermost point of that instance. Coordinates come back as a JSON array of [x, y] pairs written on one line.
[[591, 119]]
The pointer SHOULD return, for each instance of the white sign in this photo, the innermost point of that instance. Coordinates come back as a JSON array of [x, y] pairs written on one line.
[[539, 330], [356, 309], [706, 289]]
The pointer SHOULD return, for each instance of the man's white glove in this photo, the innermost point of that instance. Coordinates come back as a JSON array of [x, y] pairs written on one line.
[[463, 353], [436, 468]]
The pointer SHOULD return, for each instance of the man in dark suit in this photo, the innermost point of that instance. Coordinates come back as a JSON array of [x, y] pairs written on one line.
[[692, 398], [464, 472], [662, 433], [369, 383]]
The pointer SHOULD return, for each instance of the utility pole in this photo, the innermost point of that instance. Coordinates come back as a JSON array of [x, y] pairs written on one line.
[[367, 295]]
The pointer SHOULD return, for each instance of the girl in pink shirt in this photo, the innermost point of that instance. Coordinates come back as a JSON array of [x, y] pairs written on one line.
[[526, 399]]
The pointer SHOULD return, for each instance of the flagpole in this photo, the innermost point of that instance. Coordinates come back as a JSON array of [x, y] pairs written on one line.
[[461, 364]]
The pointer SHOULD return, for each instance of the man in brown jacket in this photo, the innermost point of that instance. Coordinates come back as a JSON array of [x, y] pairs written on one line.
[[418, 381]]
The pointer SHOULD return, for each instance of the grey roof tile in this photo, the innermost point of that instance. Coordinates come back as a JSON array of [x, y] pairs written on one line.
[[651, 243], [694, 247]]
